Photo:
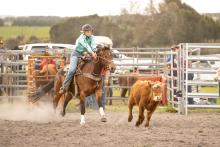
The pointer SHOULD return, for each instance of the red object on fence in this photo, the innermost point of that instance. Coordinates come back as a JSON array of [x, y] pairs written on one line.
[[163, 80]]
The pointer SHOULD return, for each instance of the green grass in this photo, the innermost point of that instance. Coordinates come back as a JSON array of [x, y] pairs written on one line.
[[14, 31], [117, 106], [120, 106], [206, 110], [213, 89]]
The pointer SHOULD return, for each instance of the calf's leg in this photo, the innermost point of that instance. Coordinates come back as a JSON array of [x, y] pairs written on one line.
[[149, 114], [141, 115], [130, 107]]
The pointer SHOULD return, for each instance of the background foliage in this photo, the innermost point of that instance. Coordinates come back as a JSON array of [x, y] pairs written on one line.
[[172, 23]]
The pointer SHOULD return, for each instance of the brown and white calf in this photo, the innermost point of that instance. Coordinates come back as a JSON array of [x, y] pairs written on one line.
[[147, 96]]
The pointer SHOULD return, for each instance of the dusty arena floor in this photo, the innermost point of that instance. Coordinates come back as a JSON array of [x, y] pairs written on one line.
[[40, 129]]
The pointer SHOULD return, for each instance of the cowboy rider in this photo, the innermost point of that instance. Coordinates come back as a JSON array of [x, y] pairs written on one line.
[[84, 43]]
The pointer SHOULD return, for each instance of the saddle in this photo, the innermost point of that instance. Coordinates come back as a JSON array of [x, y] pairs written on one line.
[[82, 60], [85, 58]]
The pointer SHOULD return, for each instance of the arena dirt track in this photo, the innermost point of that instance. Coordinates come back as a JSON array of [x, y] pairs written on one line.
[[167, 129]]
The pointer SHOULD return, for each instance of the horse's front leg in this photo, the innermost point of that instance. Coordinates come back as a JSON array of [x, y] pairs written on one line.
[[98, 94], [82, 109]]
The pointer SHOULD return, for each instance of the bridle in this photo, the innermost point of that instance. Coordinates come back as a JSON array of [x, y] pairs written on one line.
[[101, 58]]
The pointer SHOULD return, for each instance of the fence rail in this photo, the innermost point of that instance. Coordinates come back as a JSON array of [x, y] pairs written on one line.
[[184, 82], [13, 71]]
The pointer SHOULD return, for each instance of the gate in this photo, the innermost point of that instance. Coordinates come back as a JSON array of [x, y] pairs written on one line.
[[35, 65], [194, 60], [13, 77], [16, 78]]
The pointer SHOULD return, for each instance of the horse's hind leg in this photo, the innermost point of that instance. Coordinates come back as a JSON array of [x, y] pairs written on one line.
[[123, 93], [68, 97], [56, 100]]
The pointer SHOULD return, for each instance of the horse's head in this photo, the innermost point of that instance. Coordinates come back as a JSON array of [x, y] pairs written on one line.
[[104, 55]]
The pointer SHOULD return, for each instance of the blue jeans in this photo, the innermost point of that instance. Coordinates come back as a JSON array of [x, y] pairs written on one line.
[[72, 68], [103, 97], [91, 102]]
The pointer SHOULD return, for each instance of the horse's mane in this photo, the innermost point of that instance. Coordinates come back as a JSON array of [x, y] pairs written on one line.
[[102, 47]]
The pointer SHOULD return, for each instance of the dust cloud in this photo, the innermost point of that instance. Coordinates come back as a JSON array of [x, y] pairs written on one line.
[[22, 111]]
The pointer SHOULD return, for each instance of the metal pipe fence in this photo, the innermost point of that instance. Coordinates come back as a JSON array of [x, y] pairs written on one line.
[[14, 69], [192, 75]]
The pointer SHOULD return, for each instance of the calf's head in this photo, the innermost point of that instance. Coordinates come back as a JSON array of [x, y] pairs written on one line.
[[157, 91]]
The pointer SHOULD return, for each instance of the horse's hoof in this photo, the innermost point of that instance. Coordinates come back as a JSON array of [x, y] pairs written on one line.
[[82, 123], [83, 120], [103, 119], [130, 118], [146, 125], [137, 124], [62, 113]]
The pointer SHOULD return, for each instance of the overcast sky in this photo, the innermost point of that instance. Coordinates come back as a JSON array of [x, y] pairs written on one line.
[[87, 7]]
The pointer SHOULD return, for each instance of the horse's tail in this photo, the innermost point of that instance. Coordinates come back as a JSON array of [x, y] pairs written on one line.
[[41, 92]]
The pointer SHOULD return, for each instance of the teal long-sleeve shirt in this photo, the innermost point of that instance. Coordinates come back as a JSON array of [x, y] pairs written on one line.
[[85, 43]]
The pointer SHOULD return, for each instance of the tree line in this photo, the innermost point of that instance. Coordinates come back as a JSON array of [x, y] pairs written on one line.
[[32, 21], [174, 22]]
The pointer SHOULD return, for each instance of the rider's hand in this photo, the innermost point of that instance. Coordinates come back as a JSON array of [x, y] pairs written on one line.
[[94, 55]]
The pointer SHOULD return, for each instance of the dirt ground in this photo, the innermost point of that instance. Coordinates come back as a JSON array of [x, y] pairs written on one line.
[[166, 130]]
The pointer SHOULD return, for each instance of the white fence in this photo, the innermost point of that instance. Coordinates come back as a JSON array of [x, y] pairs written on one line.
[[13, 73], [14, 68], [150, 61], [197, 76]]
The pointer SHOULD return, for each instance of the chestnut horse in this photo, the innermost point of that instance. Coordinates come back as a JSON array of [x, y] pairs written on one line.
[[88, 81], [126, 81]]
